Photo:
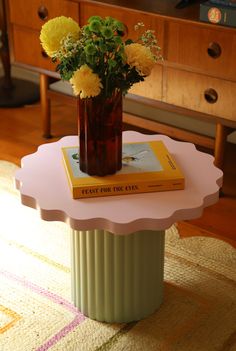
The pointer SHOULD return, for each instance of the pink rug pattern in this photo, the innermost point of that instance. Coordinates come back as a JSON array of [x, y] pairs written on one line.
[[36, 314]]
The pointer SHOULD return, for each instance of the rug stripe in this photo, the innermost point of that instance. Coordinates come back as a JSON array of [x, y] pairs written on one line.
[[63, 332], [115, 338], [200, 267], [41, 291], [79, 317], [37, 255], [15, 316]]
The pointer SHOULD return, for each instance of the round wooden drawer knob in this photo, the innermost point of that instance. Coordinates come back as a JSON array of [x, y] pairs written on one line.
[[42, 12], [210, 96], [214, 50]]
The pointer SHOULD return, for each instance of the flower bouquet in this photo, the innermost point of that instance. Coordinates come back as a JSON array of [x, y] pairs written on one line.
[[101, 67]]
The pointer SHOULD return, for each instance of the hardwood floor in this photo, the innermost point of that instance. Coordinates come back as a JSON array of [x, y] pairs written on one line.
[[219, 220], [20, 134], [20, 129]]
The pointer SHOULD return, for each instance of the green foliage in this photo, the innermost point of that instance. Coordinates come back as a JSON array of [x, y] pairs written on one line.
[[100, 46]]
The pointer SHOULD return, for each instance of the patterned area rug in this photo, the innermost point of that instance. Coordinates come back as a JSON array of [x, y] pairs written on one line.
[[198, 312]]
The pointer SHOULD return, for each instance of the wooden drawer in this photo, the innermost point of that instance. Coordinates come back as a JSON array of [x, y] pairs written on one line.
[[152, 86], [127, 16], [28, 50], [34, 13], [203, 48], [198, 92]]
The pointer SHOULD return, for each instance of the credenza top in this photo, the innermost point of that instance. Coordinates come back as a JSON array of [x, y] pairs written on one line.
[[161, 7]]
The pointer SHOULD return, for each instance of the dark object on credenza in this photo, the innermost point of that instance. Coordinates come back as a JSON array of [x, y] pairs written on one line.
[[13, 92], [216, 14], [184, 3], [230, 3]]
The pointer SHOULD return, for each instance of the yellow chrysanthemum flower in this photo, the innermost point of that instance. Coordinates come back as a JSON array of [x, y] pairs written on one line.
[[55, 30], [85, 83], [140, 57]]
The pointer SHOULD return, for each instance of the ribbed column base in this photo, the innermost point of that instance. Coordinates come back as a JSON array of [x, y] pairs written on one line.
[[117, 278]]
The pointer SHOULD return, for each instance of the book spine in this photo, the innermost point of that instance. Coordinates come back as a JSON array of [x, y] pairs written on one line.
[[217, 14], [132, 188]]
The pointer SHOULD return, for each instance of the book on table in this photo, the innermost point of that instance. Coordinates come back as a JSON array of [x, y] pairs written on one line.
[[146, 167]]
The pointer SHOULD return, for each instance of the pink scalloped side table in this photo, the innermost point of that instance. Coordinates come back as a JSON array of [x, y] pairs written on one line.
[[117, 242]]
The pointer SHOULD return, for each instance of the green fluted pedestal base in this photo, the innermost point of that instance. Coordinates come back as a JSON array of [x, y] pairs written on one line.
[[117, 278]]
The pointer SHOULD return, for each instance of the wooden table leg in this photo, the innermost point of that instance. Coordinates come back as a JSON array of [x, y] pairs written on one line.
[[45, 106], [117, 278], [220, 143]]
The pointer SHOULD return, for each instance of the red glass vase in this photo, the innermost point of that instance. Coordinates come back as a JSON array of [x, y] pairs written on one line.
[[100, 134]]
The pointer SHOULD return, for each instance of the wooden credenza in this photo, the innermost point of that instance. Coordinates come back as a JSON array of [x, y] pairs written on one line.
[[197, 77]]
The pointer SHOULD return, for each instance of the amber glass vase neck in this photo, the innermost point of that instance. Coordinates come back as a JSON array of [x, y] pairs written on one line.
[[100, 134]]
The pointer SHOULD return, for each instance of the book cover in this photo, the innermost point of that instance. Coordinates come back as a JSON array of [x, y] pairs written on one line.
[[218, 14], [146, 167]]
